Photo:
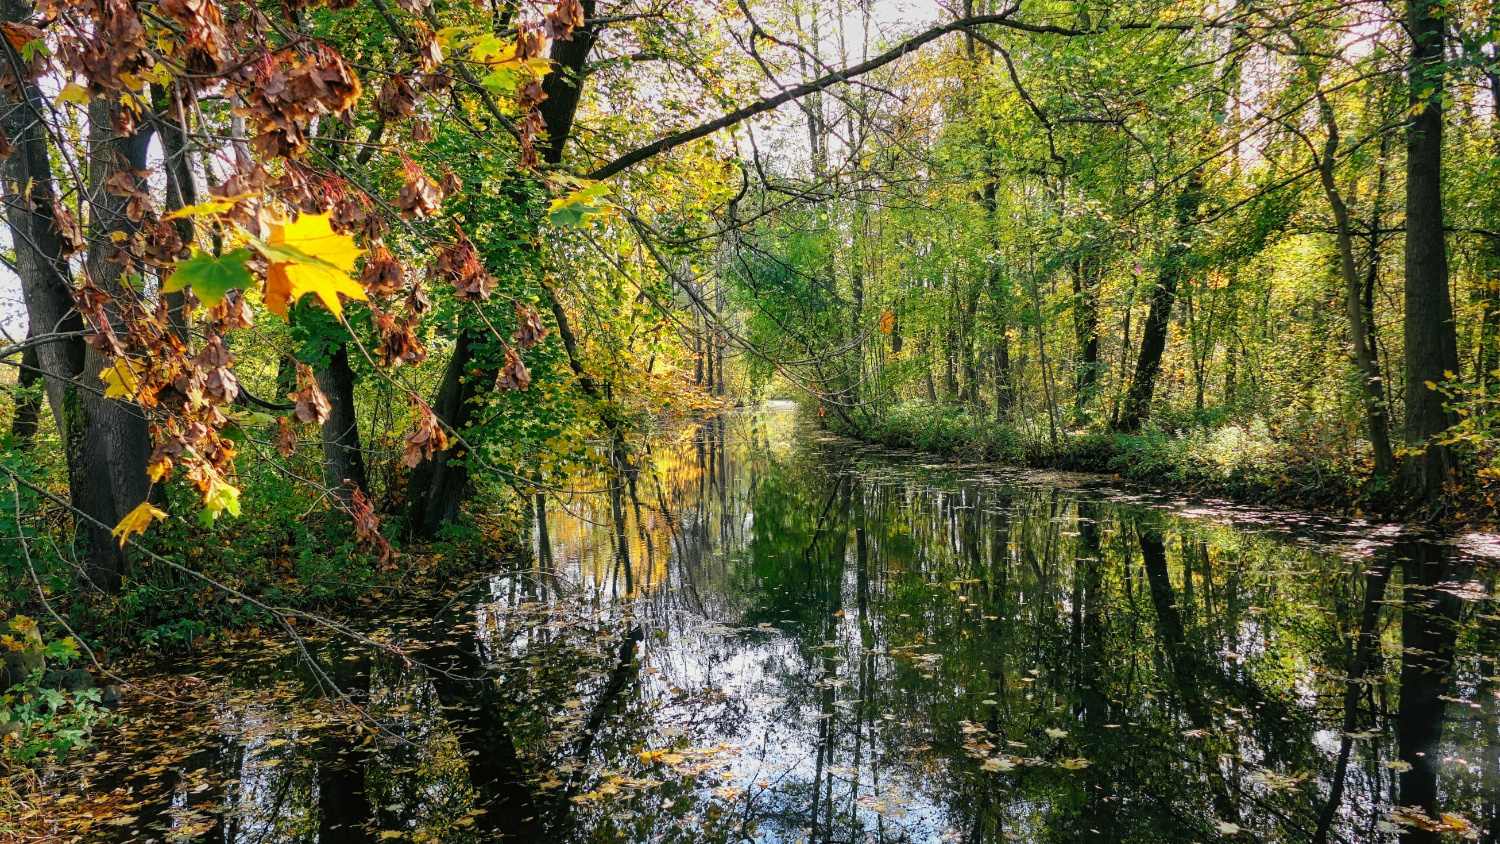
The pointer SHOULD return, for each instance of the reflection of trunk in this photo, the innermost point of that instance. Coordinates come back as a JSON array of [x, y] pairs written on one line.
[[1429, 631], [1430, 338], [617, 515], [1163, 296], [1088, 660], [1186, 665], [477, 711], [343, 461], [343, 806], [1366, 643], [544, 542]]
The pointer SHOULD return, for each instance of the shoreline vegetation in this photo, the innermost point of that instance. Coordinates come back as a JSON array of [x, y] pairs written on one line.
[[1242, 463]]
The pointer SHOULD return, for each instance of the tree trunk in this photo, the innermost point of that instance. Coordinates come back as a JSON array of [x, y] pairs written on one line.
[[1004, 393], [1364, 353], [1154, 335], [1086, 328], [28, 404], [439, 486], [1488, 358], [46, 283], [343, 459], [1431, 338], [116, 443]]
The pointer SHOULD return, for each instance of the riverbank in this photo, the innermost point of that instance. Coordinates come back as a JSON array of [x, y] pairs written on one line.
[[1245, 463]]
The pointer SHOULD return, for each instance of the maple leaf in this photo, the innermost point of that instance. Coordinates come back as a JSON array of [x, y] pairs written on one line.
[[584, 202], [212, 207], [136, 521], [308, 256], [210, 277]]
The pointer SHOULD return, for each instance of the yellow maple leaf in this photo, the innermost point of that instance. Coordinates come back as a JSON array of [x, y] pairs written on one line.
[[136, 521], [308, 256], [122, 379]]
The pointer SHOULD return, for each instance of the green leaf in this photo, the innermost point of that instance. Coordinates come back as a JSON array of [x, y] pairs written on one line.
[[572, 215], [211, 277], [63, 650]]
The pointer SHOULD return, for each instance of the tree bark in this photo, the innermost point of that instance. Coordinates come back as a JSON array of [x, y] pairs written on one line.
[[1163, 297], [343, 459], [116, 442], [438, 485], [1431, 338], [46, 280]]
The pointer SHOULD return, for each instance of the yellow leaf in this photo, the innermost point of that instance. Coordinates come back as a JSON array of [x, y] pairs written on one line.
[[308, 256], [73, 93], [213, 206], [136, 521], [122, 380], [887, 322]]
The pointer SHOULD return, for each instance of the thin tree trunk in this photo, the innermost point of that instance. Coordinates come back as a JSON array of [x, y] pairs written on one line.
[[1488, 359], [28, 403], [1376, 423], [1086, 329], [1154, 335]]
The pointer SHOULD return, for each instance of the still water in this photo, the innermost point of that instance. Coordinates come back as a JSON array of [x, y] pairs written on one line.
[[766, 634]]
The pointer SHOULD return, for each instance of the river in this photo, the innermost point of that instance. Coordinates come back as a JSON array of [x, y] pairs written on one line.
[[765, 633]]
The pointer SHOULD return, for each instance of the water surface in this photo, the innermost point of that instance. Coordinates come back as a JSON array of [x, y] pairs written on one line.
[[763, 633]]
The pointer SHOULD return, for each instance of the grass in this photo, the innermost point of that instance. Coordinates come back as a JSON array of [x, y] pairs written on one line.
[[1245, 460]]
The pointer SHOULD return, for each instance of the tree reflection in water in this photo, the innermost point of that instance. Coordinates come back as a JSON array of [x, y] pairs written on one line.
[[756, 633]]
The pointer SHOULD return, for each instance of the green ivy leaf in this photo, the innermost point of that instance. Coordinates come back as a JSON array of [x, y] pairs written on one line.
[[211, 277]]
